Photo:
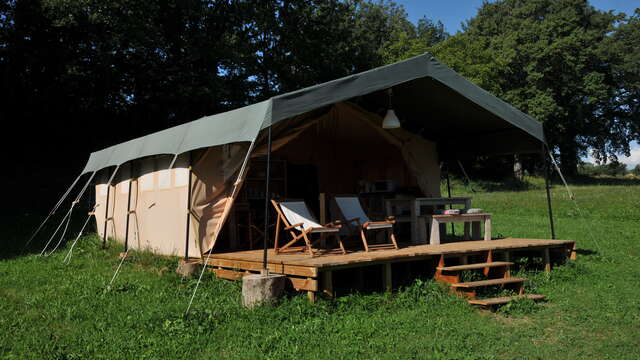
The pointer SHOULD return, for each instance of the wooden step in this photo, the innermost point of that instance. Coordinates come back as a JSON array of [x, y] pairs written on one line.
[[504, 299], [475, 266], [490, 282]]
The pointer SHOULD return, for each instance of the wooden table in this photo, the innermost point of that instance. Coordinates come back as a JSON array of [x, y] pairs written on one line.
[[475, 219], [416, 205]]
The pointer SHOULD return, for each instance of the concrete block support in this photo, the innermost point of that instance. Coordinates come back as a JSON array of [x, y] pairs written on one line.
[[188, 267], [262, 289]]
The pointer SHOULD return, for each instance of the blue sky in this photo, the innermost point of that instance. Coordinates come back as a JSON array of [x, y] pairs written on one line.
[[453, 13]]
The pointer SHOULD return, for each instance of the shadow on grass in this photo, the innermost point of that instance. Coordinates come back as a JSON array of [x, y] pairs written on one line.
[[586, 252], [16, 231]]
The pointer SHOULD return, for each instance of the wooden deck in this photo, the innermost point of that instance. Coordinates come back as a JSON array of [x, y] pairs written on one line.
[[314, 273]]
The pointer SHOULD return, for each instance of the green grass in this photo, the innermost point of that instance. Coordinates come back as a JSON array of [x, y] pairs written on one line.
[[51, 310]]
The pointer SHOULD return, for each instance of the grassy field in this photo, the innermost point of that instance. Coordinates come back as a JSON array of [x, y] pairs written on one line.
[[51, 310]]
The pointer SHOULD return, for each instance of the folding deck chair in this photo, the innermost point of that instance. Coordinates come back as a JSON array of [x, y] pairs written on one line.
[[295, 217], [352, 212]]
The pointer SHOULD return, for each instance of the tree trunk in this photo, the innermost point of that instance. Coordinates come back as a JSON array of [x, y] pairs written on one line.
[[569, 157]]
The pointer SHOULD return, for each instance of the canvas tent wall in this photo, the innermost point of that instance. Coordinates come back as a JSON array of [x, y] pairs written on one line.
[[432, 101]]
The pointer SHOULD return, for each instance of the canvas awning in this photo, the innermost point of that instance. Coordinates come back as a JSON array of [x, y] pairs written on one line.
[[429, 98]]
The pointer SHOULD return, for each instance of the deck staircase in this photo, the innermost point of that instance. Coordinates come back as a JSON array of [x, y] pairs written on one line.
[[497, 274]]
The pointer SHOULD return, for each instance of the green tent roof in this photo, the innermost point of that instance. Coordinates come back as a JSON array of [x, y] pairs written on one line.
[[429, 96]]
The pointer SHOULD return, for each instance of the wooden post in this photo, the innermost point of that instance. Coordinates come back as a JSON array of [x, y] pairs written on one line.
[[487, 228], [387, 277], [311, 295], [547, 259], [573, 254], [327, 283], [323, 208], [507, 257], [435, 232]]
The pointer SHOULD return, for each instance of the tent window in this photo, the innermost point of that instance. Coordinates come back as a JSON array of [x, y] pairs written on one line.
[[181, 177], [102, 189], [164, 179], [124, 187], [146, 179]]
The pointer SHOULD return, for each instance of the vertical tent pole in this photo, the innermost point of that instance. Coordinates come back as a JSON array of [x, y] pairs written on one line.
[[186, 238], [106, 210], [266, 203], [453, 229], [547, 185], [126, 231], [106, 215]]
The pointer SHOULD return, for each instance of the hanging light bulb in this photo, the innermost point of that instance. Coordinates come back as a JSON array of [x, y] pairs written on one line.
[[391, 120]]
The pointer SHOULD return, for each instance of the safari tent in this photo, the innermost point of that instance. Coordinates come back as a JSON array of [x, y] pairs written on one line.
[[189, 189]]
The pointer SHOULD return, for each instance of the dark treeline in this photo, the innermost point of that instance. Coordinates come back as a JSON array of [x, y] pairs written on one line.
[[80, 75]]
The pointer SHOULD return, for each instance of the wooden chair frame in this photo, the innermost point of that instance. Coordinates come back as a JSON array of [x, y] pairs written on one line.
[[304, 234], [363, 228]]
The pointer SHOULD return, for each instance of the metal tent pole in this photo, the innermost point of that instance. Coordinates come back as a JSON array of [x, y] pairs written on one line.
[[266, 203], [547, 185], [453, 229], [189, 190]]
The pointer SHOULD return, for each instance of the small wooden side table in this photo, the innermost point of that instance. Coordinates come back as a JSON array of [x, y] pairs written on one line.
[[475, 219]]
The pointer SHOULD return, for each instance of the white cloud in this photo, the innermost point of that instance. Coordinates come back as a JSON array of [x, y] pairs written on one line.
[[634, 158], [631, 161]]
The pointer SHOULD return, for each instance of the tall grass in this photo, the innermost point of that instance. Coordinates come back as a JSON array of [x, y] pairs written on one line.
[[51, 310]]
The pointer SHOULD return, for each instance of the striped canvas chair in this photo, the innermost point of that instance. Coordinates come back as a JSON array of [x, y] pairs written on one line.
[[353, 214], [295, 218]]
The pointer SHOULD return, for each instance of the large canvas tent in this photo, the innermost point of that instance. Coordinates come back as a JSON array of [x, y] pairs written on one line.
[[335, 125]]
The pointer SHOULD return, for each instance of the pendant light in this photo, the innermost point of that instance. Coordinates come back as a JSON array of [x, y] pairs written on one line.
[[390, 121]]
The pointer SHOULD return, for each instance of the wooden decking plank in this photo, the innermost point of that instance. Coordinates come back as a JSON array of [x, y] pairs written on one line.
[[228, 274], [475, 266], [490, 282], [504, 299], [299, 284], [279, 268], [353, 258]]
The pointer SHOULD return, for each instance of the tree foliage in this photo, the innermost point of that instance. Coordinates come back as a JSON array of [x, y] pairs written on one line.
[[565, 63], [81, 75]]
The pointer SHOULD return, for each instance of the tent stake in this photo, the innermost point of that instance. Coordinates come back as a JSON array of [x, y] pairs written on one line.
[[547, 185], [266, 203], [186, 238]]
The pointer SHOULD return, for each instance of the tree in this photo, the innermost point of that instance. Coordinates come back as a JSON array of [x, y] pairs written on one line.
[[559, 61]]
